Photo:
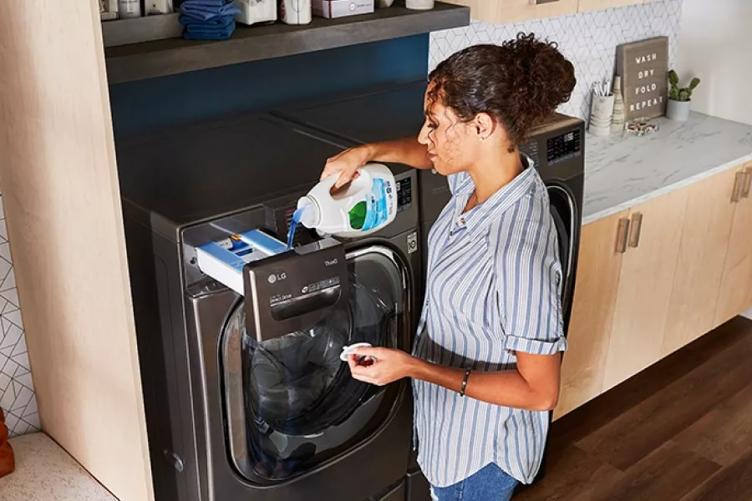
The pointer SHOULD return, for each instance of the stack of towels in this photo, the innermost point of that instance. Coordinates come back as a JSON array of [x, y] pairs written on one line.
[[208, 19]]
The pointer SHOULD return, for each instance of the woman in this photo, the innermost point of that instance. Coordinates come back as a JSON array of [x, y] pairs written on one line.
[[486, 362]]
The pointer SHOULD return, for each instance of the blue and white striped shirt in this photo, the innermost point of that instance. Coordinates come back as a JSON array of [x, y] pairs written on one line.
[[493, 288]]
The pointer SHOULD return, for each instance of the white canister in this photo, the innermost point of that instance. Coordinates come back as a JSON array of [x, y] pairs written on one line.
[[158, 7], [295, 11], [419, 4], [129, 8]]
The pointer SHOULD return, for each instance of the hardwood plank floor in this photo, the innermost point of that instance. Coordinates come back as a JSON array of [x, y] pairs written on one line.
[[679, 430]]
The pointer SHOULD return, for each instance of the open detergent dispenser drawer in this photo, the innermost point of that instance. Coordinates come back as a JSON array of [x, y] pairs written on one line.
[[285, 290]]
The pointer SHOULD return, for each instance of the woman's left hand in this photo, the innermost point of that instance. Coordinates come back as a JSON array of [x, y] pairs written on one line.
[[387, 365]]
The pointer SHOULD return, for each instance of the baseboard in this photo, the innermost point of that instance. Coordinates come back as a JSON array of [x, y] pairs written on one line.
[[748, 314]]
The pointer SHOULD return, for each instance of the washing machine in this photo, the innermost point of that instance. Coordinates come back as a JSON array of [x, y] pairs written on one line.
[[556, 146], [245, 395]]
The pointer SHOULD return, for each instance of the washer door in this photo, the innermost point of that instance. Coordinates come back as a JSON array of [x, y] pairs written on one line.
[[291, 403], [566, 220]]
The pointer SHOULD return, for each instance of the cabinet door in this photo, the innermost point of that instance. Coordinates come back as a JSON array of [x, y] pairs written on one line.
[[505, 11], [592, 313], [588, 5], [702, 251], [645, 284], [480, 10], [736, 284]]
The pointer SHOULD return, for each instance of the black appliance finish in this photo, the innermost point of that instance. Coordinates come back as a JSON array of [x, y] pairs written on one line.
[[238, 409], [556, 146]]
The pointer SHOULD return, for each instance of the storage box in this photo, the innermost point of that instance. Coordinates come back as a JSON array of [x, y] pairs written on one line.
[[340, 8]]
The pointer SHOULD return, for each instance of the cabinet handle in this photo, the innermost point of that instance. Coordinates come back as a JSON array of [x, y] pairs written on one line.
[[747, 182], [635, 229], [539, 2], [621, 235], [738, 185]]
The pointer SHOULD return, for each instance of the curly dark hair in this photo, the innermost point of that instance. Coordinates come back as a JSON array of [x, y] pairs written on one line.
[[519, 83]]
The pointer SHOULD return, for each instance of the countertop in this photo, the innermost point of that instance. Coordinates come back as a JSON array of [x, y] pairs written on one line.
[[624, 170], [44, 471]]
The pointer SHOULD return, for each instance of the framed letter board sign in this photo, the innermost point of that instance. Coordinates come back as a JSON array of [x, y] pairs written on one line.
[[643, 67]]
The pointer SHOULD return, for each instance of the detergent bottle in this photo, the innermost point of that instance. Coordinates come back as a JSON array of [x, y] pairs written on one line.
[[364, 206]]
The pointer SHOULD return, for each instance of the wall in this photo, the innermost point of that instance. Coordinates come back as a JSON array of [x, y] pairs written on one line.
[[588, 40], [716, 46], [159, 102], [17, 397]]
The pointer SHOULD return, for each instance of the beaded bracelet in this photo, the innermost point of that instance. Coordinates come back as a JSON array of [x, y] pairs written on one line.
[[464, 382]]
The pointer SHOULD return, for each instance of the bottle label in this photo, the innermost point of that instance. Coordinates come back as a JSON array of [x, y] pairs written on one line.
[[373, 211]]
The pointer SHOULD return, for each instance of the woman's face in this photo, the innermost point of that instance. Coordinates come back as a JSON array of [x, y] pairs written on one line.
[[452, 144]]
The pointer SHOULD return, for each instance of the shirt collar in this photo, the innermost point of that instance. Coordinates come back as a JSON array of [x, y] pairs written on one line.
[[497, 203]]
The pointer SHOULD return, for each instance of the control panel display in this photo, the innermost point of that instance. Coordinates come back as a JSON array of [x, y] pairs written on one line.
[[404, 193], [563, 146]]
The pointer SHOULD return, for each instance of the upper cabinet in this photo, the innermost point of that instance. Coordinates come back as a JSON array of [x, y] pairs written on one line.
[[509, 11], [588, 5]]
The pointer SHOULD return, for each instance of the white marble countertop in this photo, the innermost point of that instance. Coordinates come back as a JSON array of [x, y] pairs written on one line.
[[624, 170]]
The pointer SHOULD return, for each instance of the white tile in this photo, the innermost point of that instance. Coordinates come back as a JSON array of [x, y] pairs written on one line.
[[589, 40]]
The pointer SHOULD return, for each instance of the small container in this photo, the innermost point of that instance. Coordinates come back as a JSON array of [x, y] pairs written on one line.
[[129, 8], [158, 7], [295, 11], [331, 9], [419, 4], [601, 111], [678, 110], [619, 114]]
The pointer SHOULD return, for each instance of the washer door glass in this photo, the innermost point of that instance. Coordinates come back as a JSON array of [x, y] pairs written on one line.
[[291, 402]]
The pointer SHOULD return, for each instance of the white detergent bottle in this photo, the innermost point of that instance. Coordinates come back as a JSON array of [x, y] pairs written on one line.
[[364, 206]]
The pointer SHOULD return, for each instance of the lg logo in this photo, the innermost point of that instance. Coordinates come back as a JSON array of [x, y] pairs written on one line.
[[274, 277]]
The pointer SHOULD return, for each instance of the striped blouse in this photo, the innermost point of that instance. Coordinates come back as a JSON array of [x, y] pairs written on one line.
[[493, 288]]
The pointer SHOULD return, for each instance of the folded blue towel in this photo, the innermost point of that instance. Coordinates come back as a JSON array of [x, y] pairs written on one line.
[[218, 28], [207, 9], [209, 35], [218, 22]]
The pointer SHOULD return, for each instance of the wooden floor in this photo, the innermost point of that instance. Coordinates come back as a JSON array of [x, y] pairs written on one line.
[[680, 430]]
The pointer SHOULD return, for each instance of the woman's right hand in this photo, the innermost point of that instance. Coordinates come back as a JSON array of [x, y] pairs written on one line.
[[346, 165]]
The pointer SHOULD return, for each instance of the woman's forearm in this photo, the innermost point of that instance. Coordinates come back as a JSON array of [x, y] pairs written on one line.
[[406, 151], [508, 388]]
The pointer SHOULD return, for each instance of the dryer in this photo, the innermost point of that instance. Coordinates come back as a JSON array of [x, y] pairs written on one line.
[[239, 412]]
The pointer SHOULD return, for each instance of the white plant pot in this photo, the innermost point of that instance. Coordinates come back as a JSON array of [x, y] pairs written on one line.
[[678, 110]]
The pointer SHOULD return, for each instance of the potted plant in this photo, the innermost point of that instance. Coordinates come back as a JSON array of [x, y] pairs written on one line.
[[679, 97]]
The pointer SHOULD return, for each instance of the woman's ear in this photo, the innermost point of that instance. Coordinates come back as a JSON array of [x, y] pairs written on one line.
[[485, 125]]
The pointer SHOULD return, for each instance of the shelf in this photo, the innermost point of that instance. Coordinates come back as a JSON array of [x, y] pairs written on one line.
[[160, 58]]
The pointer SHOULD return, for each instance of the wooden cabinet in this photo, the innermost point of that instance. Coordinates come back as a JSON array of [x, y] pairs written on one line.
[[589, 5], [682, 265], [645, 284], [512, 11], [736, 281], [598, 271], [509, 11], [702, 253], [61, 194]]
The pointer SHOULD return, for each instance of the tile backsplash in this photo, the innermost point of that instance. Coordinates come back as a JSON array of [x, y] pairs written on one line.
[[16, 388], [589, 40]]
